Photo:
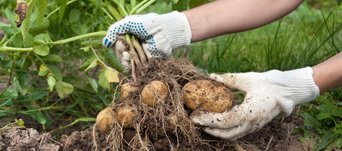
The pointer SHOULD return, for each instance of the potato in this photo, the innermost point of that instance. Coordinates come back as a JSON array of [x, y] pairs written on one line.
[[105, 120], [127, 89], [125, 115], [154, 92], [208, 95]]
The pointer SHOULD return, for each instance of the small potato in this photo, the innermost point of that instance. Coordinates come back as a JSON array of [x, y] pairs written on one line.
[[154, 92], [127, 89], [105, 120], [208, 95], [125, 114]]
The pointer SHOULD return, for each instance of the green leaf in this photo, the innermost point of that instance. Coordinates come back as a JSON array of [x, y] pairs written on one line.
[[40, 46], [38, 116], [41, 39], [88, 62], [55, 71], [39, 28], [7, 96], [113, 60], [111, 75], [62, 4], [51, 82], [103, 81], [43, 71], [11, 17], [52, 59], [181, 5], [93, 84], [325, 141], [42, 50], [64, 89], [74, 16], [18, 86], [40, 9], [331, 109], [20, 122], [92, 65]]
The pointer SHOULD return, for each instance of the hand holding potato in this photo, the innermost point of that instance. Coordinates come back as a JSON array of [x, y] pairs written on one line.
[[267, 95]]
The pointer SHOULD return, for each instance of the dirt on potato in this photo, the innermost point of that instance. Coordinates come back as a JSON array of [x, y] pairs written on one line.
[[163, 126]]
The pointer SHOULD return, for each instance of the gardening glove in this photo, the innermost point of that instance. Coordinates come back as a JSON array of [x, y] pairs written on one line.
[[267, 95], [160, 33]]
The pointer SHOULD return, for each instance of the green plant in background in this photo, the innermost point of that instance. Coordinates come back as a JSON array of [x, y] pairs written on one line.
[[52, 65], [323, 121]]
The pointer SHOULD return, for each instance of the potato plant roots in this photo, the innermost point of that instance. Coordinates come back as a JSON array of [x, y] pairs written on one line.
[[165, 125]]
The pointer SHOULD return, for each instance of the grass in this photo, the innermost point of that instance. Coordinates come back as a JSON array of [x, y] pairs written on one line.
[[304, 38]]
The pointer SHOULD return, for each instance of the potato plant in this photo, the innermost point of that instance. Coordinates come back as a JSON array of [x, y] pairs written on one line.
[[50, 52]]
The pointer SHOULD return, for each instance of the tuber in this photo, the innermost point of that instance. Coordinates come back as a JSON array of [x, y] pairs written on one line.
[[125, 115], [208, 95], [105, 119], [127, 89], [153, 92]]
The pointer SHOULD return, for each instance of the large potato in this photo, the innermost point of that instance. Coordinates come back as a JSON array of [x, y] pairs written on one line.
[[154, 92], [105, 120], [208, 95]]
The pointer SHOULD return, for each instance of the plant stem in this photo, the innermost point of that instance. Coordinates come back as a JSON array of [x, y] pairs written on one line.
[[14, 49], [121, 7], [94, 34], [138, 6], [98, 58], [114, 13], [58, 8], [145, 6]]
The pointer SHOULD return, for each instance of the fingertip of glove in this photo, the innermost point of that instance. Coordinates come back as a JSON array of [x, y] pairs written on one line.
[[216, 77], [107, 43]]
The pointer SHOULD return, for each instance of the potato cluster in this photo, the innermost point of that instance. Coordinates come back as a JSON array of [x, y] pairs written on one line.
[[197, 94]]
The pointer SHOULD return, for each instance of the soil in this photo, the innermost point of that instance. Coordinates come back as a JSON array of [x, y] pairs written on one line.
[[164, 126]]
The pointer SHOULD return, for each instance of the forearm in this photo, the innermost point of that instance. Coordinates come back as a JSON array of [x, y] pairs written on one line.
[[229, 16], [328, 75]]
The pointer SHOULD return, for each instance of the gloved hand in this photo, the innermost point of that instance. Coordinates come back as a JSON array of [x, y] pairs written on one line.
[[160, 33], [267, 95]]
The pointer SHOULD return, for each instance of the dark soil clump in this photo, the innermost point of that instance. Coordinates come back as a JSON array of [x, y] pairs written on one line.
[[17, 139]]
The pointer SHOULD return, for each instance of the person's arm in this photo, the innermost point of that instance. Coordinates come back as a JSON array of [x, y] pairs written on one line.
[[229, 16], [328, 75], [163, 33]]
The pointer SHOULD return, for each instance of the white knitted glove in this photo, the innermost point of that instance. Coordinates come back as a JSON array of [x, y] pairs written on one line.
[[160, 33], [267, 95]]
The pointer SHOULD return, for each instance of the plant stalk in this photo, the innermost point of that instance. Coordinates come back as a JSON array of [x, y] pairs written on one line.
[[94, 34]]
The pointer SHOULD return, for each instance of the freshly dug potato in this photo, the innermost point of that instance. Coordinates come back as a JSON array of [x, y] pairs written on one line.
[[208, 95], [153, 92], [127, 89], [105, 119], [125, 114]]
